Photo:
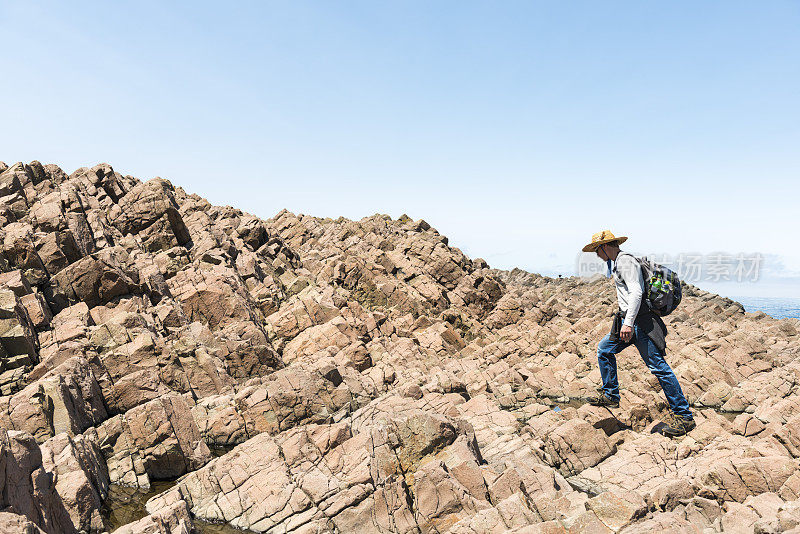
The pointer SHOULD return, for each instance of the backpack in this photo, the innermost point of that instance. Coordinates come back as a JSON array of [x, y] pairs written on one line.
[[662, 287]]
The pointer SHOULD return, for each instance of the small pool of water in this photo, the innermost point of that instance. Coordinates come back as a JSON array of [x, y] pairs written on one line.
[[560, 404], [220, 450], [125, 505]]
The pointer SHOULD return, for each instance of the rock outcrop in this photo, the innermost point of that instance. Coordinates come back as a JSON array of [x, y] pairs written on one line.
[[300, 374]]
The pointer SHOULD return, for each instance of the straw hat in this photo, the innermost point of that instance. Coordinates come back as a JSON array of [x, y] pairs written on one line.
[[601, 238]]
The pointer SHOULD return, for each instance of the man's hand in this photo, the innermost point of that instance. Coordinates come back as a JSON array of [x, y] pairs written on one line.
[[625, 333]]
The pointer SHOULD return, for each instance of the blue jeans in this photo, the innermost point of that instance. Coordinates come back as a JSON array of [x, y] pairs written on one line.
[[653, 358]]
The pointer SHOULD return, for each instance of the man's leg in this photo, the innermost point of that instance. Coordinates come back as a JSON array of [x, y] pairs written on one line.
[[606, 358], [654, 359]]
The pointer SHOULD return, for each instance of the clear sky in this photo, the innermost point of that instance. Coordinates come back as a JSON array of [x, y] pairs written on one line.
[[515, 128]]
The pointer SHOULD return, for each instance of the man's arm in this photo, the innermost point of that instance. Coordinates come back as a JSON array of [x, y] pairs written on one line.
[[631, 273]]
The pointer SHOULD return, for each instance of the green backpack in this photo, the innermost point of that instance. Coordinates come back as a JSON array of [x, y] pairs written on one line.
[[662, 287]]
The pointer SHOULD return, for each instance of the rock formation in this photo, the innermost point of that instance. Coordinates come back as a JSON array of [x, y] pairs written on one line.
[[312, 375]]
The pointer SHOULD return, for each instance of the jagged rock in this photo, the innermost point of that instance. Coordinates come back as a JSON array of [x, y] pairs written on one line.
[[156, 440], [96, 279], [173, 519], [369, 375], [213, 296], [20, 251], [147, 204], [38, 310], [617, 511], [17, 524], [81, 478], [18, 342], [575, 445], [310, 474], [16, 282], [67, 399], [26, 488]]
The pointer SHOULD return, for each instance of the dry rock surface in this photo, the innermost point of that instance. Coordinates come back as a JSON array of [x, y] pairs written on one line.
[[311, 375]]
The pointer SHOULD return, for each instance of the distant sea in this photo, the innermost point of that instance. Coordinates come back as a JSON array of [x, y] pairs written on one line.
[[780, 308]]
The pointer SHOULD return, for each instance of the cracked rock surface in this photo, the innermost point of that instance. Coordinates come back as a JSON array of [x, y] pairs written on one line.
[[309, 375]]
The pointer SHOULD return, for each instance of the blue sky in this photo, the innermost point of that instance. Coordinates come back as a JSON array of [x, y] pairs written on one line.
[[515, 128]]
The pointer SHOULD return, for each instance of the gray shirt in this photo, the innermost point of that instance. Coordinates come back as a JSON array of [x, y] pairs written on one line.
[[630, 285]]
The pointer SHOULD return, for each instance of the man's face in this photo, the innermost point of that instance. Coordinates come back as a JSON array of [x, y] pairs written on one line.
[[601, 252]]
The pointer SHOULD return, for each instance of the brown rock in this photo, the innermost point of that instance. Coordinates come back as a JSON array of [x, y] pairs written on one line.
[[575, 445], [617, 511], [96, 279], [148, 203], [156, 440], [17, 524], [66, 399], [16, 282], [81, 478], [27, 488], [174, 519], [37, 308]]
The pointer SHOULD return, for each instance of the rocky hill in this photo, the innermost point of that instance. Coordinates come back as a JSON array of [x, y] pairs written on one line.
[[170, 366]]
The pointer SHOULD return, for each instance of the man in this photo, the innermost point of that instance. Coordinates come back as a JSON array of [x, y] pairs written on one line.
[[635, 324]]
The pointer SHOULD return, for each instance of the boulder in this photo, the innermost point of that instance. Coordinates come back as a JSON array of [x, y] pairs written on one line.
[[81, 478], [38, 310], [16, 282], [20, 251], [19, 345], [575, 445], [146, 204], [67, 399], [17, 524], [156, 440], [95, 280], [27, 488]]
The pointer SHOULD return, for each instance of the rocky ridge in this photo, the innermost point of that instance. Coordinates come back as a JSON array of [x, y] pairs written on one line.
[[300, 374]]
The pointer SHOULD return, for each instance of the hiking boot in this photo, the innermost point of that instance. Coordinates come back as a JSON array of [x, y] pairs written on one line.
[[679, 426], [604, 400]]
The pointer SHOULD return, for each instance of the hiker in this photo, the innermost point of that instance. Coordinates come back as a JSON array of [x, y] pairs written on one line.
[[636, 324]]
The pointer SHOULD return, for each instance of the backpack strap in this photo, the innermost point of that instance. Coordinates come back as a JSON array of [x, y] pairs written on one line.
[[621, 252], [645, 306]]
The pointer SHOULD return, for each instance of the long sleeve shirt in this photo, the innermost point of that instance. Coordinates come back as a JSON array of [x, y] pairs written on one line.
[[628, 278]]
